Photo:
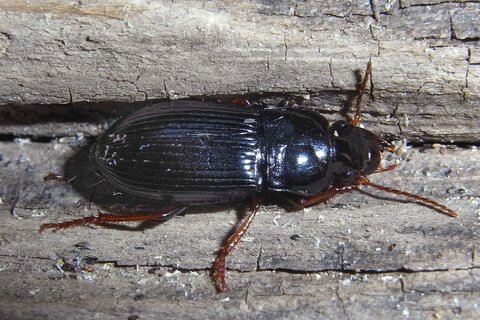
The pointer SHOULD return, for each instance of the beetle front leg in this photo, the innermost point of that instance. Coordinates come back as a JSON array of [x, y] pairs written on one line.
[[326, 195], [358, 107], [218, 268]]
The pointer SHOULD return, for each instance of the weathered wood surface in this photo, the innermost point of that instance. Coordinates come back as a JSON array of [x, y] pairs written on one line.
[[64, 65], [425, 55], [356, 258]]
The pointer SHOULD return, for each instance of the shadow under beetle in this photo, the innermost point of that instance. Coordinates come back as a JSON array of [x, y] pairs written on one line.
[[202, 153]]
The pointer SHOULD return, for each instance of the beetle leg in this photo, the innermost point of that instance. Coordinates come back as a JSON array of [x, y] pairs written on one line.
[[361, 89], [241, 102], [57, 177], [102, 219], [218, 268], [326, 195]]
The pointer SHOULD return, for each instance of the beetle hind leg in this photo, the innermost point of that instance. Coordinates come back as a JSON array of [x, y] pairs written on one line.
[[103, 219]]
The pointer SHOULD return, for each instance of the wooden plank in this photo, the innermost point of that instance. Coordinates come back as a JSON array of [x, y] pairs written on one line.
[[355, 257], [137, 50]]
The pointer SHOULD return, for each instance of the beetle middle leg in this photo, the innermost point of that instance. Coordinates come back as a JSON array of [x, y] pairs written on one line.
[[218, 268], [241, 102], [103, 219]]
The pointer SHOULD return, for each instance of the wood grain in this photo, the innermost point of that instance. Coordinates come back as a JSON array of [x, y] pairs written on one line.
[[70, 68], [356, 257]]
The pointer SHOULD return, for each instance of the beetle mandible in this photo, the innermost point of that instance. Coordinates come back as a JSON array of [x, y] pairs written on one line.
[[201, 153]]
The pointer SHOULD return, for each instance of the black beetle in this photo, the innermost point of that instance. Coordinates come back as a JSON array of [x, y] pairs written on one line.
[[200, 153]]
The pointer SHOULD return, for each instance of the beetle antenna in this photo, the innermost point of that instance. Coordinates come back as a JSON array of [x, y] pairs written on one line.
[[363, 84], [422, 200]]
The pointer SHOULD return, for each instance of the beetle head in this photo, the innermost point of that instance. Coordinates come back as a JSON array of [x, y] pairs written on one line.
[[357, 152]]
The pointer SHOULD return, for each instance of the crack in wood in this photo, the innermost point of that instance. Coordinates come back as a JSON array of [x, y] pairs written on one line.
[[342, 302]]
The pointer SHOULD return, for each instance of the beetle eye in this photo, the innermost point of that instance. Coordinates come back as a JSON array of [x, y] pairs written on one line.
[[346, 177], [373, 159]]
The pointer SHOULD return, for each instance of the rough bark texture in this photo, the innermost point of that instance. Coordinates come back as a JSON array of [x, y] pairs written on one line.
[[68, 68]]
